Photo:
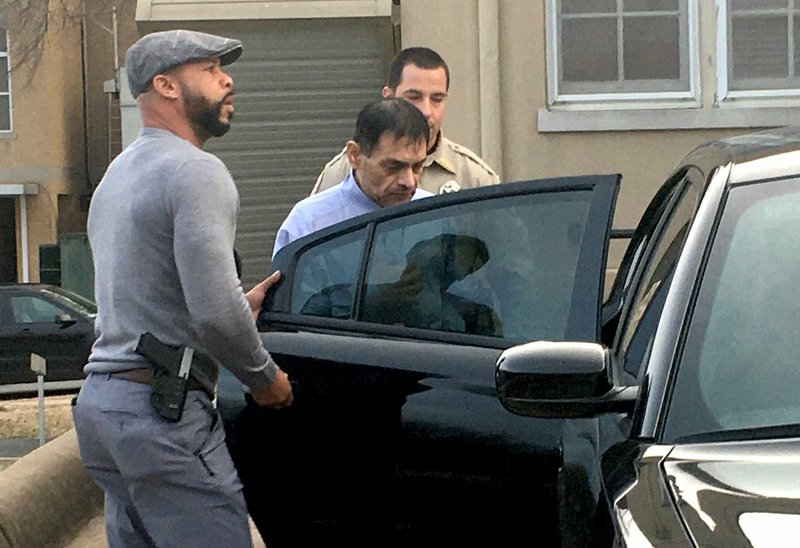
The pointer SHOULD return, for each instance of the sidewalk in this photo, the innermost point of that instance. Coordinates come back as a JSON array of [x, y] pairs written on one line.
[[13, 449]]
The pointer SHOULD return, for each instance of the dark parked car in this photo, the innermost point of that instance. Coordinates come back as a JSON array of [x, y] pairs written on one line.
[[664, 414], [47, 320], [694, 436]]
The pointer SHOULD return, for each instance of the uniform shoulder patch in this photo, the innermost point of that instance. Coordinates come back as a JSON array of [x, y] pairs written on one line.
[[464, 151], [336, 159]]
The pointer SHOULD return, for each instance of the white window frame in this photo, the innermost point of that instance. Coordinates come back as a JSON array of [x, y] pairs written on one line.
[[613, 101], [723, 91], [7, 54]]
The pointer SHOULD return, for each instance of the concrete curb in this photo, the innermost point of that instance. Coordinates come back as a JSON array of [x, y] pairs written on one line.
[[47, 497], [48, 500]]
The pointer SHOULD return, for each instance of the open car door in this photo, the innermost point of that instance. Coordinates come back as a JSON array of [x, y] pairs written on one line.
[[390, 325]]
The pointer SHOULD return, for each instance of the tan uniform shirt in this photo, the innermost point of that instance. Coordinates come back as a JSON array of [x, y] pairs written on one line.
[[449, 168]]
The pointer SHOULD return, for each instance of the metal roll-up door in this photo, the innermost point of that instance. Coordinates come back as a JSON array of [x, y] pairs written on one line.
[[300, 85]]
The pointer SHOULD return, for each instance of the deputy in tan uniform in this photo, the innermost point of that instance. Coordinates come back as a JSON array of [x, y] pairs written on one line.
[[420, 75]]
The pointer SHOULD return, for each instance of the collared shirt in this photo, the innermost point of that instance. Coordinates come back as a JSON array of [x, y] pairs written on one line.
[[343, 201], [449, 168]]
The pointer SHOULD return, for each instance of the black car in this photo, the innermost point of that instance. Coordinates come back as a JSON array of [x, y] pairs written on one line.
[[694, 436], [47, 320], [391, 325]]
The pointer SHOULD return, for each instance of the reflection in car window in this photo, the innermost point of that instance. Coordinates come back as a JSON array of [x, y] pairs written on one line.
[[651, 292], [507, 271], [73, 301], [739, 368], [326, 275], [31, 309]]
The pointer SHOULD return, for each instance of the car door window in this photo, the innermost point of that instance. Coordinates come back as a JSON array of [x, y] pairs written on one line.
[[508, 263], [27, 309], [506, 271], [325, 279], [656, 274]]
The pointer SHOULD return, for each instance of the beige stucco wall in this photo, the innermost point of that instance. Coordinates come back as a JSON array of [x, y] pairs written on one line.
[[46, 146], [451, 27]]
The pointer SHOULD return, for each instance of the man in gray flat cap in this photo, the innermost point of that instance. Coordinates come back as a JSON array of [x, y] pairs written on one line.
[[161, 228]]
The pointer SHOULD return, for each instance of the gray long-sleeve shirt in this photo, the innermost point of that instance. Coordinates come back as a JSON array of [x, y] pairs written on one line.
[[161, 229]]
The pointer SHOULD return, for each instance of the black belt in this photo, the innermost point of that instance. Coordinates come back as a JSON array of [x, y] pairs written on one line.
[[145, 376]]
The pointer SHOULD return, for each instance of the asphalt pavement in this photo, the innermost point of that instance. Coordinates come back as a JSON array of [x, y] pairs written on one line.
[[16, 448]]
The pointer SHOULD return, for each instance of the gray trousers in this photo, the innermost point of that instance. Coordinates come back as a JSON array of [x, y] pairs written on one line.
[[166, 484]]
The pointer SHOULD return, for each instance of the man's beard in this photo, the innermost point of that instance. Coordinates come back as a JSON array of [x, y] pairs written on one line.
[[205, 115]]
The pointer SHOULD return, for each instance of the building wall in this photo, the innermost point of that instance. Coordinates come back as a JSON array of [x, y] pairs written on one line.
[[46, 146], [100, 68], [645, 158], [498, 105]]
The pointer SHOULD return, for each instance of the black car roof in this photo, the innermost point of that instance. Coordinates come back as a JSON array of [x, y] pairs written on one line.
[[24, 285], [747, 148]]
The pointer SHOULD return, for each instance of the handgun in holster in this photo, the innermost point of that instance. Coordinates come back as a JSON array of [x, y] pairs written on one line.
[[171, 365]]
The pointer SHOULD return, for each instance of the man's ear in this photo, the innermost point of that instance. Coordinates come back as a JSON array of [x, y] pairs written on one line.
[[387, 92], [166, 85], [354, 154]]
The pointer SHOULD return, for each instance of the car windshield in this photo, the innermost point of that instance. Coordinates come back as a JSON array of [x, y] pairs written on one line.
[[73, 301], [740, 371]]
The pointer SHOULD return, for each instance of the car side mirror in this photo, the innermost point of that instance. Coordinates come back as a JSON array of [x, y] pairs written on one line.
[[65, 320], [560, 380]]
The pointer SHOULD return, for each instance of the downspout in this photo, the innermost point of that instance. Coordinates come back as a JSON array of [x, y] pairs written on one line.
[[115, 45], [489, 77], [23, 221], [85, 77]]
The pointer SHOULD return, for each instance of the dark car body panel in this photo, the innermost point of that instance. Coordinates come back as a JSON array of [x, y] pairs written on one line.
[[737, 493], [65, 343], [405, 418], [648, 486]]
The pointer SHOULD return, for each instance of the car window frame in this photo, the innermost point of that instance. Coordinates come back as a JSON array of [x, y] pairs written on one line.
[[657, 378], [277, 303], [641, 253]]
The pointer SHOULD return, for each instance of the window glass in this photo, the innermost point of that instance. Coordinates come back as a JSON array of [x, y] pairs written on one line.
[[325, 277], [628, 47], [5, 113], [3, 74], [763, 44], [507, 271], [770, 58], [5, 84], [651, 48], [651, 291], [739, 367], [651, 5], [758, 4], [31, 309], [588, 6], [595, 64], [73, 301]]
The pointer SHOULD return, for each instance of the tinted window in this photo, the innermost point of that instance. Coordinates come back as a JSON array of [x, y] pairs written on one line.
[[324, 283], [651, 291], [506, 271], [32, 309], [72, 301], [739, 369]]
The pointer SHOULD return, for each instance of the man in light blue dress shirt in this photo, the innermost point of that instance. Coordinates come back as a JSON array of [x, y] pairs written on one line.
[[387, 154]]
